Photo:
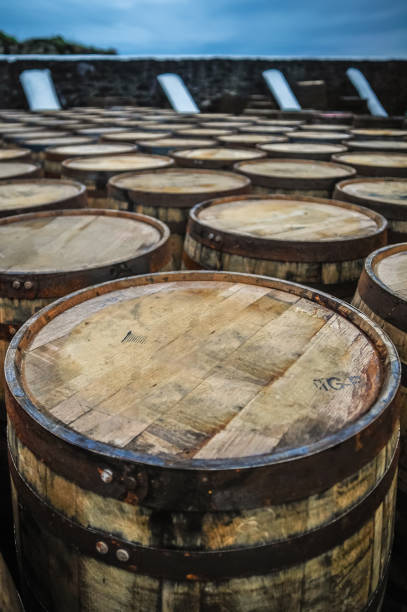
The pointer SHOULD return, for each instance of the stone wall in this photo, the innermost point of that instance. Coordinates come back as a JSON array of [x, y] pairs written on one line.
[[79, 80]]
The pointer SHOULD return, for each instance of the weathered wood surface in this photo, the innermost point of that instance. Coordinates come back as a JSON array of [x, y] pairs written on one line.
[[388, 196], [217, 357], [205, 132], [324, 127], [375, 134], [95, 172], [217, 158], [302, 150], [7, 155], [375, 163], [170, 193], [387, 269], [163, 146], [18, 170], [390, 146], [9, 598], [249, 140], [134, 136], [276, 236], [318, 136], [294, 176], [29, 195]]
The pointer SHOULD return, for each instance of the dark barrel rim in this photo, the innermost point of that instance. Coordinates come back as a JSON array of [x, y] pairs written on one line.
[[293, 182], [54, 284], [286, 250], [355, 432]]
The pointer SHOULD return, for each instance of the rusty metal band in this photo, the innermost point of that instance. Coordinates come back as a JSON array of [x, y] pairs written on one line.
[[217, 565], [173, 488], [386, 305]]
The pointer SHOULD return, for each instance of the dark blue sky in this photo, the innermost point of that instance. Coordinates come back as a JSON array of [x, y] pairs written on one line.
[[247, 27]]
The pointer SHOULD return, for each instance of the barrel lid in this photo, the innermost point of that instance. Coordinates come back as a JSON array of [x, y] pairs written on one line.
[[29, 193], [302, 147], [135, 135], [290, 173], [365, 190], [250, 139], [286, 228], [99, 130], [379, 133], [176, 142], [377, 145], [116, 163], [72, 241], [284, 122], [66, 151], [7, 126], [18, 129], [217, 154], [29, 134], [324, 127], [202, 370], [319, 135], [384, 160], [266, 129], [13, 153], [225, 125], [180, 184], [171, 126], [391, 269], [59, 140], [207, 132], [9, 170]]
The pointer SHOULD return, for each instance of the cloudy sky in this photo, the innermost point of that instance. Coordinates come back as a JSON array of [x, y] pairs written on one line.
[[255, 27]]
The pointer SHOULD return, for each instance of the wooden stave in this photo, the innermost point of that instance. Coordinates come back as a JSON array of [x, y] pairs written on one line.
[[253, 255], [395, 215], [377, 307], [320, 187], [77, 201], [97, 181], [210, 164], [9, 598], [235, 276], [155, 204]]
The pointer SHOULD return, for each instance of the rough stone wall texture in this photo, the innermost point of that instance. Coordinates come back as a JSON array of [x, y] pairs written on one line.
[[79, 80]]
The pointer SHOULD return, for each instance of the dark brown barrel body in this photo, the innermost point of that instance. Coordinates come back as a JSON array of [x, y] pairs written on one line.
[[172, 502], [382, 295]]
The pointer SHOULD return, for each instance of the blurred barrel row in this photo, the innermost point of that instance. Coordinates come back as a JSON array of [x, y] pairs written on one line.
[[199, 430]]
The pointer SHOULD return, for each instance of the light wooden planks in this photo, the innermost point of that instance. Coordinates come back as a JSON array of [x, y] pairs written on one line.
[[119, 163], [178, 181], [222, 370], [13, 169], [392, 271], [35, 193], [295, 169], [392, 191]]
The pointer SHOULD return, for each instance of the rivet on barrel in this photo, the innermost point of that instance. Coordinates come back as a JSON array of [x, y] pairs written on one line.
[[16, 284], [102, 548], [122, 555], [28, 285], [106, 476]]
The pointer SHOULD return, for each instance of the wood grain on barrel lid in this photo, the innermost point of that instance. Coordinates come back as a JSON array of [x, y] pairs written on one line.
[[205, 132], [302, 147], [294, 220], [377, 145], [266, 129], [177, 142], [29, 134], [393, 191], [121, 163], [55, 242], [60, 140], [7, 154], [218, 153], [392, 271], [26, 194], [15, 169], [246, 139], [379, 133], [318, 135], [294, 168], [323, 127], [391, 160], [180, 181]]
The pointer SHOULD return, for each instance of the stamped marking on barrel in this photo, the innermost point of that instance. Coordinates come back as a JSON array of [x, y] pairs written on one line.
[[336, 383], [130, 337]]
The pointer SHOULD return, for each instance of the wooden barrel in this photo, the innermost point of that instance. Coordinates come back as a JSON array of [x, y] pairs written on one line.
[[33, 195], [169, 194], [272, 130], [40, 144], [203, 441], [134, 136], [20, 137], [333, 117], [99, 130], [375, 163], [387, 146], [95, 172], [302, 150], [216, 158], [296, 176], [18, 170], [318, 136], [54, 156], [16, 154], [164, 146], [325, 127], [248, 140], [378, 134], [318, 242], [9, 598], [386, 196], [205, 132], [172, 127], [227, 124], [382, 295]]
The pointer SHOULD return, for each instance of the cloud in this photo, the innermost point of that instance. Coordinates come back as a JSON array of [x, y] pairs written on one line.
[[268, 27]]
